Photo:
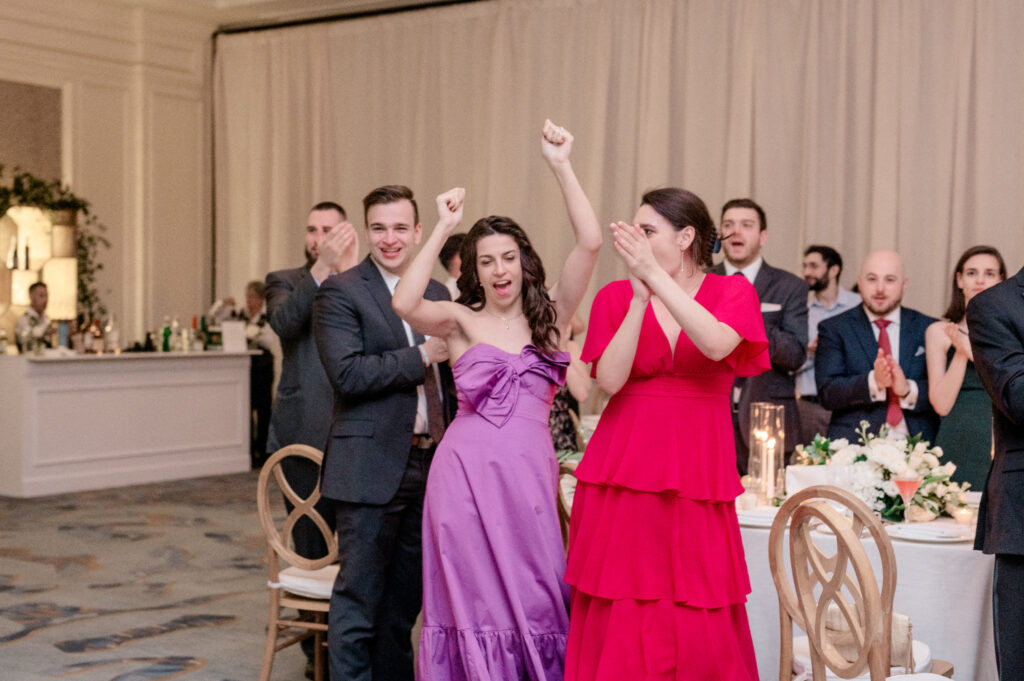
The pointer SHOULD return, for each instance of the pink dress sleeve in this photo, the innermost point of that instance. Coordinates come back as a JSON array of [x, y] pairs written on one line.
[[606, 314], [739, 308]]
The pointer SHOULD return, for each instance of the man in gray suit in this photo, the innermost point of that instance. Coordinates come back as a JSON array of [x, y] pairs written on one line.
[[393, 397], [995, 322], [302, 409], [784, 309]]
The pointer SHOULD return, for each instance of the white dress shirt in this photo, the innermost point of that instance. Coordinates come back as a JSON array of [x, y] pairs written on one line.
[[420, 427], [750, 271], [909, 401]]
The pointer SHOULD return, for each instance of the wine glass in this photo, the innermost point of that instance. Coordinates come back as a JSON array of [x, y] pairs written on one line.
[[907, 482]]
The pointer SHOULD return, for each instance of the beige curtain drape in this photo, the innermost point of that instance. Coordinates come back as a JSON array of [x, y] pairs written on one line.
[[861, 124]]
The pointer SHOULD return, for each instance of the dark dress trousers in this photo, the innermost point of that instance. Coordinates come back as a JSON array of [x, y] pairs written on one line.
[[375, 479], [846, 355], [302, 408], [995, 319], [786, 328]]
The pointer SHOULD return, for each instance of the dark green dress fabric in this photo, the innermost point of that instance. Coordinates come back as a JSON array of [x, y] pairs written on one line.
[[965, 434]]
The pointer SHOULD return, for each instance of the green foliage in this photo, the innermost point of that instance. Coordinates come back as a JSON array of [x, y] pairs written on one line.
[[26, 189]]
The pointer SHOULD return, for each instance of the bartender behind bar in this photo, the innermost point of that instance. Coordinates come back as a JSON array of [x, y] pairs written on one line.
[[34, 326]]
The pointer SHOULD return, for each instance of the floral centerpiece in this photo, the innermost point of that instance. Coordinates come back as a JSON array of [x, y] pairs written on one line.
[[870, 468]]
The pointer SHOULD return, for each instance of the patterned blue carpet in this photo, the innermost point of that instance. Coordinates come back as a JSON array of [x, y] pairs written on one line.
[[139, 583]]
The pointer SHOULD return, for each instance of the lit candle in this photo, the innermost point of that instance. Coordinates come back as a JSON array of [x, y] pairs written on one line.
[[963, 515]]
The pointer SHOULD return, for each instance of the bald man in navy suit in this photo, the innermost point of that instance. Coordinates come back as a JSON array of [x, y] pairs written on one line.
[[865, 376]]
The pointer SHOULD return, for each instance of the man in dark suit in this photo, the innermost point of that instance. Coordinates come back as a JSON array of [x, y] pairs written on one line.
[[995, 321], [784, 309], [302, 409], [393, 396], [870, 363]]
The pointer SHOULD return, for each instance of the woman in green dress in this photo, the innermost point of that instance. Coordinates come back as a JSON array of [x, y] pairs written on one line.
[[954, 389]]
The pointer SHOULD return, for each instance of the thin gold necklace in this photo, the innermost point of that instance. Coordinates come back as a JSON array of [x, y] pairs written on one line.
[[507, 320]]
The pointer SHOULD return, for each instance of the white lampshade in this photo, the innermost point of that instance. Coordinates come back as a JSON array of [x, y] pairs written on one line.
[[34, 232], [61, 277], [21, 280]]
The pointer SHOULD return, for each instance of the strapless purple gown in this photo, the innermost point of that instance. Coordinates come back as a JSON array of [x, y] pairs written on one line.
[[495, 606]]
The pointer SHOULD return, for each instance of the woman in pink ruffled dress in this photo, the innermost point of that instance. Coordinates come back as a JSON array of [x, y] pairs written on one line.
[[655, 556]]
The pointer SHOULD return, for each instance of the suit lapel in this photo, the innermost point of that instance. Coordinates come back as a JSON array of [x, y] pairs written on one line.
[[763, 279], [378, 290], [865, 335], [908, 345]]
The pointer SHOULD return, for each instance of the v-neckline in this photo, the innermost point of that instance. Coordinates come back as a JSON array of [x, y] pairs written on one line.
[[672, 346]]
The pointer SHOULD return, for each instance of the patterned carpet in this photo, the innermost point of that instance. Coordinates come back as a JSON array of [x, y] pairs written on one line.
[[137, 584]]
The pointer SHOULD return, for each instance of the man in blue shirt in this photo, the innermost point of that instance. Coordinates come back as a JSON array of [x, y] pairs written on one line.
[[822, 268]]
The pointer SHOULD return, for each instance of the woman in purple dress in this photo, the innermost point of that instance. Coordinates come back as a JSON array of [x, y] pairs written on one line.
[[495, 606]]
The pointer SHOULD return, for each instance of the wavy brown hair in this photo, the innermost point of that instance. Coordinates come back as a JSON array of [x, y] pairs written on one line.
[[537, 305], [957, 303]]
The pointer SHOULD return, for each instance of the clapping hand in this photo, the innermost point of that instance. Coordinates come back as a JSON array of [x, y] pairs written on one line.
[[889, 374], [449, 209], [631, 243], [555, 143], [961, 343], [339, 247]]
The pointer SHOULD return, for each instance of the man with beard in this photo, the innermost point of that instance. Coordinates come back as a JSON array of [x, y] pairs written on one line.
[[822, 268], [870, 362], [302, 408], [784, 310]]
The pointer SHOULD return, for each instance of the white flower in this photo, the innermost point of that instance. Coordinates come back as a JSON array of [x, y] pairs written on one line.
[[919, 514], [841, 443]]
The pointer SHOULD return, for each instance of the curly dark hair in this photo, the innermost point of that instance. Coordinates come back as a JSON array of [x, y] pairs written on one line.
[[537, 305], [685, 209]]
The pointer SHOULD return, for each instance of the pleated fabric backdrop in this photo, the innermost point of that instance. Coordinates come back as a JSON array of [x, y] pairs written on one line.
[[862, 124]]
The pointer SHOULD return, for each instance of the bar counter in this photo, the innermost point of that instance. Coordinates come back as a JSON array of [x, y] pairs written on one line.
[[94, 421]]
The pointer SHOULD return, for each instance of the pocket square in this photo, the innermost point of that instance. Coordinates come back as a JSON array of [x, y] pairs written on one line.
[[920, 351], [770, 307]]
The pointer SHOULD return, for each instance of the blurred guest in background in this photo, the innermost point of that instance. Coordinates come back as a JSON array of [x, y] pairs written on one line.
[[451, 261], [954, 389], [822, 268], [869, 363], [265, 368], [565, 409], [995, 319], [34, 326], [783, 299]]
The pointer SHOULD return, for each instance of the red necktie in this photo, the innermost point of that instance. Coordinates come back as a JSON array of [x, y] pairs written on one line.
[[894, 412]]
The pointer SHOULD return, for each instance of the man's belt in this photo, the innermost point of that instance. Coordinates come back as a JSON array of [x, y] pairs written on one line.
[[423, 442]]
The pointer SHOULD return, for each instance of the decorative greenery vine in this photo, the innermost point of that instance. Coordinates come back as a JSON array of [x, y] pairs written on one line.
[[26, 189]]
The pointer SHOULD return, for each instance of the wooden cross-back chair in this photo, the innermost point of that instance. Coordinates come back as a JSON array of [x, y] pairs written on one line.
[[844, 580], [302, 584]]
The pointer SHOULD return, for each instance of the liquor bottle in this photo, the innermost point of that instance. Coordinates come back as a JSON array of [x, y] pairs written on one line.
[[175, 341], [165, 335], [87, 339], [204, 332], [111, 335], [97, 336]]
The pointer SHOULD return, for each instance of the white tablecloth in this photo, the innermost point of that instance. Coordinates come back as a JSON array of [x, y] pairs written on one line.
[[945, 589]]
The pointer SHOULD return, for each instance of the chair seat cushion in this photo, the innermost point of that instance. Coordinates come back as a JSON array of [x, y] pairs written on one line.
[[309, 583], [802, 661]]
